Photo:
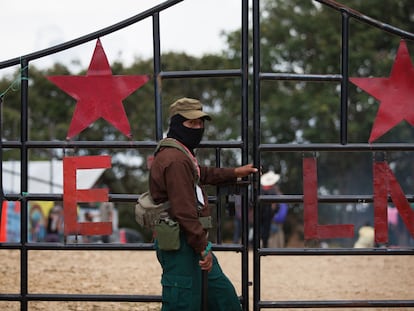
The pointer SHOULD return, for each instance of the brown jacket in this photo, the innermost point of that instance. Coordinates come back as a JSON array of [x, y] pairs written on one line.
[[173, 180]]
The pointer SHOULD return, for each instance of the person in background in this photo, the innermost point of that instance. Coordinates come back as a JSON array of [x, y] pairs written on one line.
[[54, 226], [105, 213], [267, 182], [177, 177], [88, 218], [277, 233], [237, 221], [366, 235]]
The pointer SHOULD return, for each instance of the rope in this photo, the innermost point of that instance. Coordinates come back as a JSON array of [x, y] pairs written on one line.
[[14, 86]]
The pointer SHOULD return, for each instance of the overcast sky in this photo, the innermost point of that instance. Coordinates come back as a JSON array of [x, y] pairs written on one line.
[[192, 26]]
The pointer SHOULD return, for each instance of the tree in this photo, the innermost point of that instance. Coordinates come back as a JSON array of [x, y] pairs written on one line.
[[297, 36], [305, 37]]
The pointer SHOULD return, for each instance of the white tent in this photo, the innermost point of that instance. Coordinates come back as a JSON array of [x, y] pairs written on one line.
[[45, 177]]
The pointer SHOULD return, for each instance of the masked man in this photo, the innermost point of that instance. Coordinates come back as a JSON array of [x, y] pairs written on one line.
[[177, 178]]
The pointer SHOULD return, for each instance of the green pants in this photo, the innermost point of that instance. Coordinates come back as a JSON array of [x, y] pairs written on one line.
[[181, 282]]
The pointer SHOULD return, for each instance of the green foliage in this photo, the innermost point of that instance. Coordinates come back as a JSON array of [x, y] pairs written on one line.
[[304, 37], [297, 36]]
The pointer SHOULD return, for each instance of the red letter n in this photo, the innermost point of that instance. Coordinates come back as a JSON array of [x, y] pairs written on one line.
[[385, 183]]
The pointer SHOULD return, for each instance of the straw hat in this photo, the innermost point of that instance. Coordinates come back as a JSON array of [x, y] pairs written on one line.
[[269, 179]]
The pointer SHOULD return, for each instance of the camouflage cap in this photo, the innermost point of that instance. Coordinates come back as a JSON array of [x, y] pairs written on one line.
[[189, 108]]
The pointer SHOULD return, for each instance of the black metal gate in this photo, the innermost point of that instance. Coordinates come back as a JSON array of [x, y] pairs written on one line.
[[242, 73], [260, 75]]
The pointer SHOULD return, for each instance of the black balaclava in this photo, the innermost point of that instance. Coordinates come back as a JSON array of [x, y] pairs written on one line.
[[188, 136]]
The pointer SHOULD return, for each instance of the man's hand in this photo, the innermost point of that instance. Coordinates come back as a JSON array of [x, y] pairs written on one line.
[[206, 263], [243, 171]]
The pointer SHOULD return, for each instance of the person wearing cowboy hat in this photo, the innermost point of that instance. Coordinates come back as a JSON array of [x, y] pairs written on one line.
[[267, 182]]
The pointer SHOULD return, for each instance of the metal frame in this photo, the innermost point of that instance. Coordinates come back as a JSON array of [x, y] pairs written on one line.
[[260, 75], [24, 145]]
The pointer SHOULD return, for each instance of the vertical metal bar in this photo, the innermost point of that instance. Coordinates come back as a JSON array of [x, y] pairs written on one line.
[[245, 80], [204, 290], [219, 205], [1, 158], [256, 155], [245, 150], [345, 77], [24, 163], [157, 78]]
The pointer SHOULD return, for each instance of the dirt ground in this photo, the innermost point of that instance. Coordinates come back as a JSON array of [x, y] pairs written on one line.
[[138, 272]]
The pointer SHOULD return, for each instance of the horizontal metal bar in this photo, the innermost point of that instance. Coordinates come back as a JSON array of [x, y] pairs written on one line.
[[366, 19], [10, 297], [215, 144], [42, 246], [112, 144], [300, 77], [351, 198], [89, 297], [200, 73], [286, 198], [336, 147], [262, 304], [81, 144], [337, 304], [335, 251], [59, 197], [228, 247], [222, 248], [10, 246], [221, 144]]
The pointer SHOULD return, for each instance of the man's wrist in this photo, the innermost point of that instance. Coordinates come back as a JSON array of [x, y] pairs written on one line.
[[207, 250]]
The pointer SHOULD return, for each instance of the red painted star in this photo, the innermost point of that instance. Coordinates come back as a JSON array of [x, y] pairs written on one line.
[[395, 93], [99, 94]]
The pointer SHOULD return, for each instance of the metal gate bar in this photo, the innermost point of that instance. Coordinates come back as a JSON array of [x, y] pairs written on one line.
[[342, 146], [24, 145]]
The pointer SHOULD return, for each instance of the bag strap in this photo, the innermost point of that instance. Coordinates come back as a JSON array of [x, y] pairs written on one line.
[[171, 142]]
